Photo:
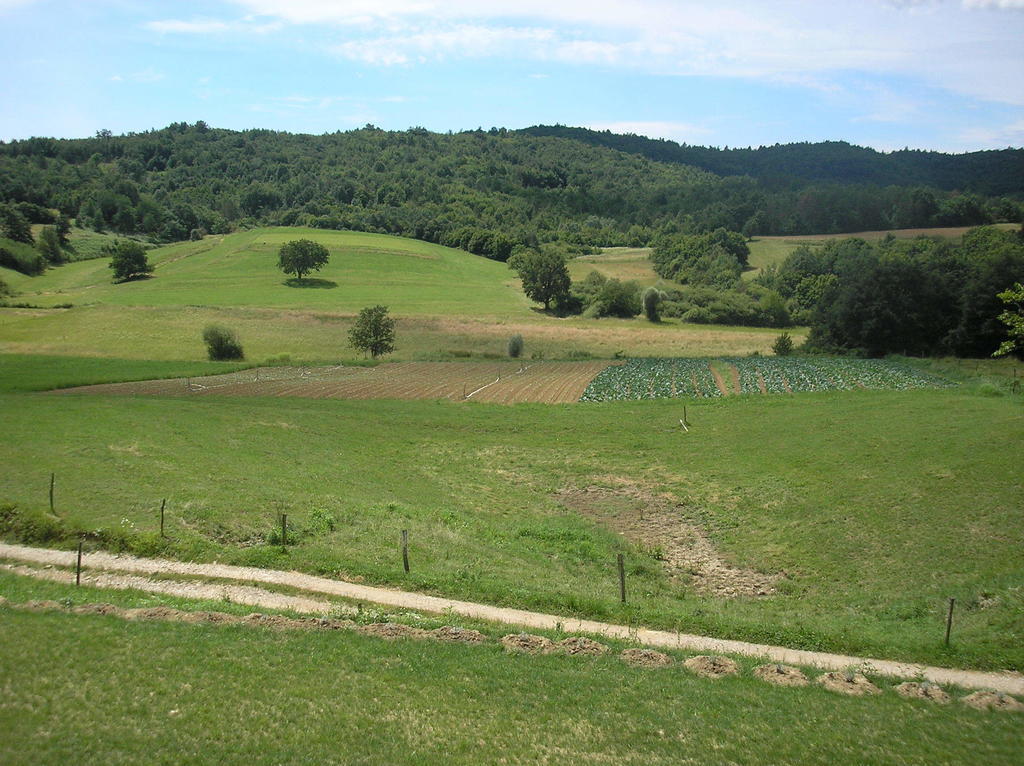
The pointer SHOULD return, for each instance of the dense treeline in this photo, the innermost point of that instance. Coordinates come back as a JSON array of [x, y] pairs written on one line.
[[920, 297], [990, 173], [486, 192]]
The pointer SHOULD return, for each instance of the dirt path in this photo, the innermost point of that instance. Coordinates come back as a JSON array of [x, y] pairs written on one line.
[[1010, 683]]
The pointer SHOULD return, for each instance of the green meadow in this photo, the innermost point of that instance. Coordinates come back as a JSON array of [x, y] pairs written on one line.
[[411, 277], [342, 697], [871, 507]]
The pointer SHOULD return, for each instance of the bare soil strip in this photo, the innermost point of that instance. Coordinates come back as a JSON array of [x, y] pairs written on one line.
[[505, 382], [1008, 683]]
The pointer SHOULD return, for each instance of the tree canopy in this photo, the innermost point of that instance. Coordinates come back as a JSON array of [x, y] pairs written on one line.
[[301, 256], [373, 331], [544, 275], [128, 260]]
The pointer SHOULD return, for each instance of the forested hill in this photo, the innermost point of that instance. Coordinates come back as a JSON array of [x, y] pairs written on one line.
[[992, 173], [483, 191]]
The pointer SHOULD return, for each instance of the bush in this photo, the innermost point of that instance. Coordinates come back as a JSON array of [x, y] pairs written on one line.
[[515, 346], [22, 258], [783, 345], [128, 260], [651, 299], [222, 343]]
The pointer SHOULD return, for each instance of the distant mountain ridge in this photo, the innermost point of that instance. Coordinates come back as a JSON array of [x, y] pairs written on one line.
[[992, 173]]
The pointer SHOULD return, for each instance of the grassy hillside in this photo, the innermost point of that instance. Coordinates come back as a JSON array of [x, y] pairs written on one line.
[[412, 277], [448, 302], [871, 508]]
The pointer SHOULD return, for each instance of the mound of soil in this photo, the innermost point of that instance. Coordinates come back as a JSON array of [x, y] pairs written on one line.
[[260, 620], [854, 684], [781, 675], [993, 701], [214, 618], [105, 609], [580, 645], [392, 630], [156, 613], [912, 690], [41, 606], [3, 601], [528, 643], [327, 623], [463, 635], [712, 666], [645, 658]]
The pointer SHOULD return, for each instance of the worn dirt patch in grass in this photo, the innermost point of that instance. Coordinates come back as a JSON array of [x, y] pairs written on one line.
[[655, 521]]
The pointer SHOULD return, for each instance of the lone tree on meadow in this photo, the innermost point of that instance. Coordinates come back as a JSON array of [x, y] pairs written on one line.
[[128, 260], [545, 276], [301, 256], [373, 331]]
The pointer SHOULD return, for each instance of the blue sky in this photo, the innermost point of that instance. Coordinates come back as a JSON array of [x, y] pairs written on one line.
[[930, 74]]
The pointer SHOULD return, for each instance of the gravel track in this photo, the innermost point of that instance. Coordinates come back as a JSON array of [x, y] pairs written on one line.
[[1009, 683]]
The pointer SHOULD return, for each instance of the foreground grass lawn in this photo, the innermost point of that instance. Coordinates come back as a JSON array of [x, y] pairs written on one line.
[[104, 690], [871, 507]]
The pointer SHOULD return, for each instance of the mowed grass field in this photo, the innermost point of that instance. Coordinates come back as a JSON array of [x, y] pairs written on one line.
[[765, 251], [448, 304], [623, 263], [870, 508], [412, 277], [343, 697]]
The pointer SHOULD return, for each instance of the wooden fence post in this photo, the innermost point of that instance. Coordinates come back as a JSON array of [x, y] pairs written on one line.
[[53, 478], [622, 579], [949, 619], [163, 504], [78, 565], [405, 550]]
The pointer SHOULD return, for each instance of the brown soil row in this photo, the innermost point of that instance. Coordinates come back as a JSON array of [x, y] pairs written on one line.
[[501, 382]]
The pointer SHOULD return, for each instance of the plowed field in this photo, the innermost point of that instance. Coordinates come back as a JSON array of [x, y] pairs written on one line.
[[503, 382]]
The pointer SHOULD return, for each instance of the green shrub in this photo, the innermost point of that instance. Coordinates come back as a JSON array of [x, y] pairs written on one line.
[[783, 345], [651, 298], [515, 346], [21, 257], [222, 343]]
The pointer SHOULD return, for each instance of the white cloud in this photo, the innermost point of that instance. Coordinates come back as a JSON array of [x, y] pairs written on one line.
[[1003, 5], [994, 138], [211, 26], [681, 132], [945, 44]]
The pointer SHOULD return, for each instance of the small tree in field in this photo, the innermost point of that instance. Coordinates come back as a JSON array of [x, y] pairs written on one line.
[[128, 260], [222, 343], [651, 298], [515, 346], [373, 332], [301, 256], [783, 345]]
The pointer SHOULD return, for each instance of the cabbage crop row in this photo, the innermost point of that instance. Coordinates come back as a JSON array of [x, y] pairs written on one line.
[[689, 378]]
